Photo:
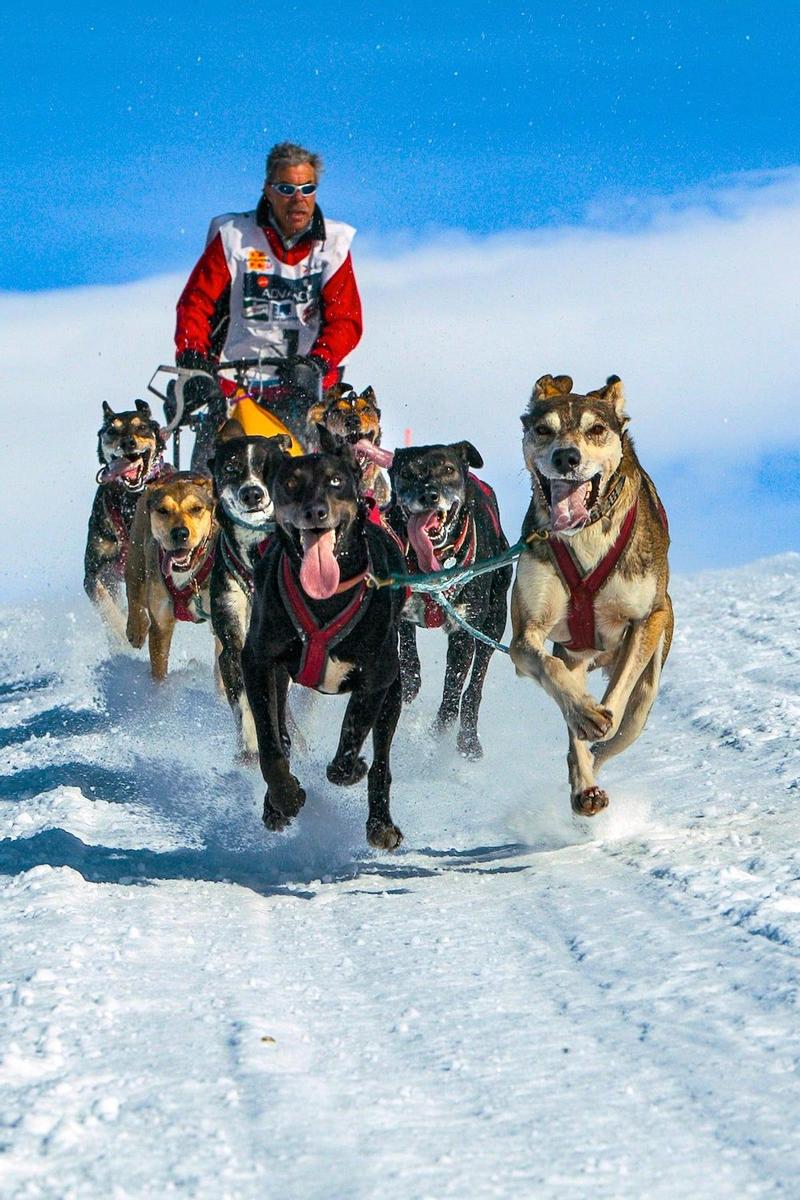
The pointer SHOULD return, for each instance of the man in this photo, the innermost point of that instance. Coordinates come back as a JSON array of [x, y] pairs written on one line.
[[277, 283]]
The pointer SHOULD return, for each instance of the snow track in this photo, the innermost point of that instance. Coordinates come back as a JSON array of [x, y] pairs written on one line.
[[513, 1004]]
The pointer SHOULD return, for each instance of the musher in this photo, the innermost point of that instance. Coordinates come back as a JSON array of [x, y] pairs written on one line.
[[275, 283]]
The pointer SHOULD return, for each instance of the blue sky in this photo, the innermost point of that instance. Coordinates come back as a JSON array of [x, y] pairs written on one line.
[[126, 127]]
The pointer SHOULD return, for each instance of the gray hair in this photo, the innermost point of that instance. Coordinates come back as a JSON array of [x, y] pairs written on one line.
[[287, 154]]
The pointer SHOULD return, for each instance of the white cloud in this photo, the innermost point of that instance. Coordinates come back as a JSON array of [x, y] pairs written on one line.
[[698, 313]]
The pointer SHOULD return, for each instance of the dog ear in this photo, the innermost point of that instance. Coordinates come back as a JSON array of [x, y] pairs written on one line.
[[329, 443], [144, 408], [317, 411], [229, 430], [277, 448], [546, 387], [467, 453], [368, 394], [108, 411], [613, 393]]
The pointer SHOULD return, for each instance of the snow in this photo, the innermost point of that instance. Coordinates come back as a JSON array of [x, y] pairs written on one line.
[[514, 1003]]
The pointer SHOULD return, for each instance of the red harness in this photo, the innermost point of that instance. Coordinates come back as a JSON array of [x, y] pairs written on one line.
[[583, 588], [184, 599], [318, 640], [123, 534], [238, 568]]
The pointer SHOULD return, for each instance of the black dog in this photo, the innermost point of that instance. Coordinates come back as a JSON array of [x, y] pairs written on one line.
[[315, 619], [246, 521], [448, 518], [130, 451]]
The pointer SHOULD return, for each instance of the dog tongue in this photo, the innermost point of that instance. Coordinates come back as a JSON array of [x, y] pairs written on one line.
[[119, 467], [568, 504], [376, 454], [319, 571], [418, 526]]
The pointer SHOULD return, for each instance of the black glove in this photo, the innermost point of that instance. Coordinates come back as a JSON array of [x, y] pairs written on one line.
[[200, 391], [304, 373]]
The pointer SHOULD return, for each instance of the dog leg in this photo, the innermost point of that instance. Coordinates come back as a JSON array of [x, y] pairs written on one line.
[[638, 649], [266, 687], [410, 671], [469, 744], [109, 611], [229, 670], [636, 713], [586, 797], [347, 766], [159, 642], [136, 577], [381, 829], [589, 719], [460, 651]]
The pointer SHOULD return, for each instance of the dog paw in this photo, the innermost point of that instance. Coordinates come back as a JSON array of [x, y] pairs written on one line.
[[136, 629], [441, 725], [275, 821], [589, 720], [286, 801], [590, 801], [344, 773], [383, 834], [469, 745]]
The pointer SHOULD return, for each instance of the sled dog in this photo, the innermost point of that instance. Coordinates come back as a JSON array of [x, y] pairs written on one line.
[[445, 516], [246, 519], [356, 419], [130, 451], [316, 620], [167, 576], [594, 578]]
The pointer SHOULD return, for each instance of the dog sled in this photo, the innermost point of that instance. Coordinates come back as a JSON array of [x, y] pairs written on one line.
[[267, 396]]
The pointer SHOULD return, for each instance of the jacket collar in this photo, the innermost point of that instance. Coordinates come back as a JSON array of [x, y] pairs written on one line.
[[316, 231]]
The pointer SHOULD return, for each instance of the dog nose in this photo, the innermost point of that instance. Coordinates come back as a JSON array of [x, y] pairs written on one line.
[[180, 535], [251, 496], [566, 459], [316, 513], [429, 496]]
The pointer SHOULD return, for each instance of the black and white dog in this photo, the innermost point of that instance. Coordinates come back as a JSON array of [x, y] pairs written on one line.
[[448, 517], [245, 514]]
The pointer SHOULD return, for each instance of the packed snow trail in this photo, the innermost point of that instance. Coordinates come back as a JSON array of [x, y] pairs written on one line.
[[513, 1003]]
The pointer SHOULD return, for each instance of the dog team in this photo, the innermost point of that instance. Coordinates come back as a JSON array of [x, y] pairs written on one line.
[[279, 553]]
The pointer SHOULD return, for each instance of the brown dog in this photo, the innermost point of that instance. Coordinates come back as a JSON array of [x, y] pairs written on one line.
[[168, 573], [594, 579], [354, 418]]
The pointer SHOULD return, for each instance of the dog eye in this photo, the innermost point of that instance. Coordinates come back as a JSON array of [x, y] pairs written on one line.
[[164, 512], [335, 481], [542, 430], [291, 484], [597, 430]]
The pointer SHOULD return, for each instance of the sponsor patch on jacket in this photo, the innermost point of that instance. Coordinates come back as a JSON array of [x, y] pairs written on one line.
[[258, 260], [274, 298]]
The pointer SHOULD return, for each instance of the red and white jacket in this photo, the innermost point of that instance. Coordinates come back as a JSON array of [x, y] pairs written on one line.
[[276, 300]]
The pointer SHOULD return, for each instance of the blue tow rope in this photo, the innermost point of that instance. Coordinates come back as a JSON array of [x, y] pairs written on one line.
[[436, 583]]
